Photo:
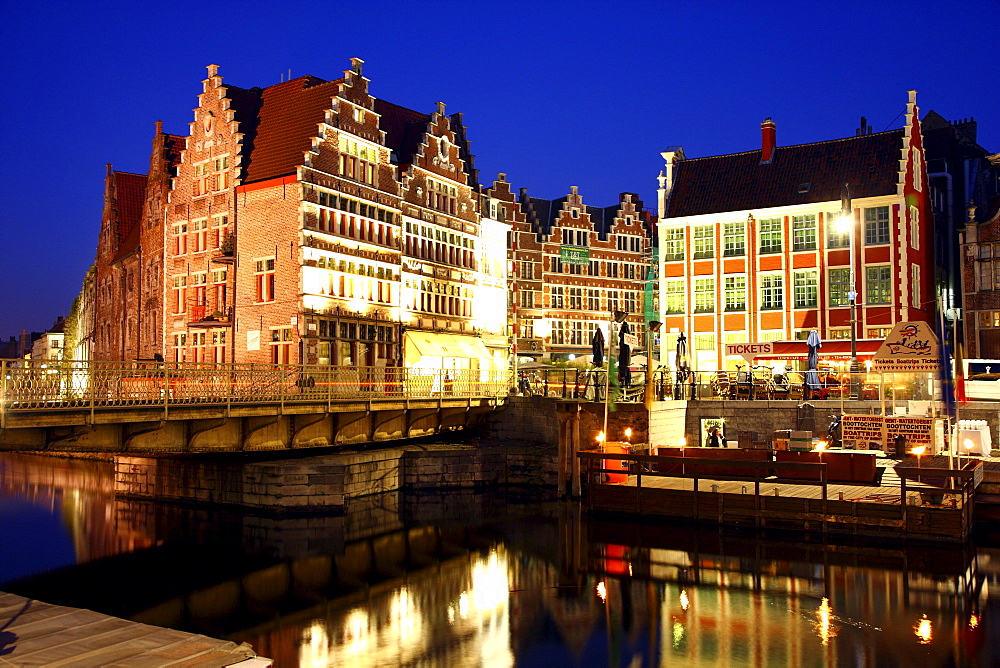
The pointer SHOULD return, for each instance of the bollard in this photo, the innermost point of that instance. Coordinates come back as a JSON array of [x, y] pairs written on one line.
[[840, 496], [776, 491], [715, 489]]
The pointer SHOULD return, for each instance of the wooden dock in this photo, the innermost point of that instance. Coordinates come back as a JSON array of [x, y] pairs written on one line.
[[772, 495], [33, 633]]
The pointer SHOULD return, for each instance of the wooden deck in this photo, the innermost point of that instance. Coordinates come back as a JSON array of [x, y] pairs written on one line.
[[768, 501], [33, 633]]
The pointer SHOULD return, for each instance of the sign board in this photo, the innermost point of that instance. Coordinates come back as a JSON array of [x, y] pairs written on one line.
[[865, 429], [631, 340], [573, 255], [910, 347], [253, 340], [749, 351]]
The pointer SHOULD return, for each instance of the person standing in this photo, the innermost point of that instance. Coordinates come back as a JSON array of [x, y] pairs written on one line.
[[715, 440]]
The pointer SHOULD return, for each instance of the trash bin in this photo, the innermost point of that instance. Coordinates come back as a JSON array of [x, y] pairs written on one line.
[[900, 445]]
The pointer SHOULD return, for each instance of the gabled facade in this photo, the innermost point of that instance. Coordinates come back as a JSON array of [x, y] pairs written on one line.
[[310, 222], [749, 249], [593, 262]]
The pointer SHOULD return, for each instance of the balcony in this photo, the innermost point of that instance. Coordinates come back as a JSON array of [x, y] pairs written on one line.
[[226, 253], [201, 318]]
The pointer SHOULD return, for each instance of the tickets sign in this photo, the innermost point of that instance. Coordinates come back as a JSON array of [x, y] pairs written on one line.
[[910, 347], [882, 429]]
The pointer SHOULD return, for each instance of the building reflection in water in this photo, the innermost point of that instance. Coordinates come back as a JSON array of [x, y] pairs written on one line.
[[471, 579]]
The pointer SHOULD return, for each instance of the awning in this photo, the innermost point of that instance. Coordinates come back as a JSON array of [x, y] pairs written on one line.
[[472, 347], [432, 344], [836, 349]]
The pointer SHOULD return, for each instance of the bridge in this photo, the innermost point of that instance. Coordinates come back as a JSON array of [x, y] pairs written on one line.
[[156, 407]]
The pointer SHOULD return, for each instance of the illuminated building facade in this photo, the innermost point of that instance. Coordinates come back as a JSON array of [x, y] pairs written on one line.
[[592, 261], [310, 222], [749, 250]]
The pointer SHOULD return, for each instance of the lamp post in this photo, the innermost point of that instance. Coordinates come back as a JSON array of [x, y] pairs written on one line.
[[616, 317], [847, 221], [653, 328]]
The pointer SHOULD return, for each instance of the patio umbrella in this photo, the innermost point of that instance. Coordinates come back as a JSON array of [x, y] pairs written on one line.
[[624, 357], [812, 360], [597, 347]]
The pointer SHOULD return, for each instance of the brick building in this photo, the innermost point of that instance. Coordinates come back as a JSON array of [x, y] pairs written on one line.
[[749, 250], [980, 242], [312, 222], [584, 263]]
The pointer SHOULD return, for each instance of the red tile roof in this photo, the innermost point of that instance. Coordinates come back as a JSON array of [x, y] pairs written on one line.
[[739, 181], [286, 121], [130, 193]]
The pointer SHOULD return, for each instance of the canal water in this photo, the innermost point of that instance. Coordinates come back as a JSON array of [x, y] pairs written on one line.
[[463, 579]]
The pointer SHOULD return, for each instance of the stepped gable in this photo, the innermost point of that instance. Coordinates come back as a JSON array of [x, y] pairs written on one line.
[[287, 119], [130, 194], [404, 130], [464, 152], [740, 181]]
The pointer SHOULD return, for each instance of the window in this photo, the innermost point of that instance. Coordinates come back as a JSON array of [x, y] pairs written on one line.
[[877, 225], [804, 232], [281, 345], [221, 231], [576, 298], [527, 270], [915, 286], [180, 238], [704, 295], [441, 196], [199, 282], [556, 297], [770, 235], [219, 289], [840, 285], [264, 278], [879, 332], [918, 170], [736, 293], [199, 235], [180, 288], [914, 228], [878, 285], [180, 343], [557, 335], [704, 341], [704, 242], [673, 296], [734, 239], [839, 334], [358, 161], [771, 291], [211, 175], [805, 289], [673, 244], [593, 300], [217, 353], [835, 238]]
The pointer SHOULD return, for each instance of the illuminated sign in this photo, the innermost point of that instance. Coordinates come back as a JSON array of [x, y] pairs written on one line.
[[572, 255]]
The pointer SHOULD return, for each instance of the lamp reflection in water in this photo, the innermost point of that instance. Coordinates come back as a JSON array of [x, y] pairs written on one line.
[[924, 630], [602, 590], [824, 628]]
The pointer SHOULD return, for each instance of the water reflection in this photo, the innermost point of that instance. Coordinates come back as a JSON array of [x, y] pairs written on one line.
[[464, 579]]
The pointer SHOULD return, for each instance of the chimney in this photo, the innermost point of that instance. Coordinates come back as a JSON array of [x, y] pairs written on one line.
[[768, 133]]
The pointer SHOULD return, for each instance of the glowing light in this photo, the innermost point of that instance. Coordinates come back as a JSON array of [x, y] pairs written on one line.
[[923, 630], [677, 635], [543, 327], [356, 631], [685, 601], [919, 450], [315, 648], [820, 447], [868, 366], [968, 444], [357, 305], [571, 358], [463, 605], [824, 628], [973, 621], [602, 590], [843, 224], [489, 583], [628, 432], [600, 437], [682, 441]]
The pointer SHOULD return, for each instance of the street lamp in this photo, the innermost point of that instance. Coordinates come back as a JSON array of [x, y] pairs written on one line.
[[846, 224]]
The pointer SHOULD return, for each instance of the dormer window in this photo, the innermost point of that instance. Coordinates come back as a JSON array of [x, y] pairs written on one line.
[[358, 161], [575, 213], [211, 175]]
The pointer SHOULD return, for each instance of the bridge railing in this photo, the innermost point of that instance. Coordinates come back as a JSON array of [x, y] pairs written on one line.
[[47, 385]]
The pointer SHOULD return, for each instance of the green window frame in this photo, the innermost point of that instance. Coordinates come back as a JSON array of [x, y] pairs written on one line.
[[840, 285], [673, 244], [673, 298], [804, 232], [704, 242], [704, 295], [734, 239], [736, 293], [876, 225], [878, 285], [772, 291], [805, 289]]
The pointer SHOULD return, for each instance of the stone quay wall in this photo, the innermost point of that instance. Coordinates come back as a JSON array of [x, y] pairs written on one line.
[[328, 482]]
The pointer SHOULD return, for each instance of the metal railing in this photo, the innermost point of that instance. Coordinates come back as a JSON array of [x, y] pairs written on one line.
[[45, 385]]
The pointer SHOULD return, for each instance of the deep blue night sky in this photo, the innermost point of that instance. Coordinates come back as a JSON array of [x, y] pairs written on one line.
[[554, 94]]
